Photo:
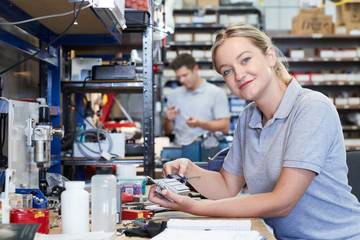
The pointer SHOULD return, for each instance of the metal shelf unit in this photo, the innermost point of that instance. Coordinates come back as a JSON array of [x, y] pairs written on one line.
[[50, 61], [144, 86]]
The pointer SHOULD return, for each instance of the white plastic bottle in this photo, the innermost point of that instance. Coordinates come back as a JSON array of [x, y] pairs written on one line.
[[75, 208], [103, 200]]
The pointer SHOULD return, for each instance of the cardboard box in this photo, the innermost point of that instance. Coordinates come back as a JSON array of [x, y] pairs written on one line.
[[296, 53], [225, 19], [348, 13], [210, 18], [198, 19], [210, 3], [347, 17], [189, 3], [310, 21], [183, 37], [198, 54], [171, 54], [183, 19], [202, 37], [204, 19], [317, 77], [326, 53], [302, 77]]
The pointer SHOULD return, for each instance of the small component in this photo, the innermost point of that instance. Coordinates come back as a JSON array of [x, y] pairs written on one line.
[[132, 214], [140, 222], [172, 185]]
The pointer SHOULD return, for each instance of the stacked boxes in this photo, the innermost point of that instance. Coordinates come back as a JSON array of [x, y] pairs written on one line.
[[311, 21], [347, 17]]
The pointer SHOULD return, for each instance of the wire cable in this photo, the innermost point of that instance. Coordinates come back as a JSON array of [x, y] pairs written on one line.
[[76, 14], [44, 17], [95, 133]]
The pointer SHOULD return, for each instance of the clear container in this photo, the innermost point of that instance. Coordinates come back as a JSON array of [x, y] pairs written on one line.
[[75, 208], [103, 200]]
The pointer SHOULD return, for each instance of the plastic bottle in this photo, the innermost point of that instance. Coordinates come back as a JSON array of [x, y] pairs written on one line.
[[103, 200], [75, 208]]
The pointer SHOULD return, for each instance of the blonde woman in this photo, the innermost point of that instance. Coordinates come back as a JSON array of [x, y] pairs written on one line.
[[288, 148]]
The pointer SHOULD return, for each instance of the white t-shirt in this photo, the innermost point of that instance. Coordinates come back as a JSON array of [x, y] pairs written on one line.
[[208, 102]]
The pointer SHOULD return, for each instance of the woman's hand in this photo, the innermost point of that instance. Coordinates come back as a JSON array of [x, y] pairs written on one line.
[[180, 203], [178, 166]]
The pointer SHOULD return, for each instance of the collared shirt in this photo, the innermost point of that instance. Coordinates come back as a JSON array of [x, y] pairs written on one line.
[[208, 102], [306, 133]]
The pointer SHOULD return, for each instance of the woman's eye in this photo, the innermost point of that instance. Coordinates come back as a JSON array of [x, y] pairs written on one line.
[[227, 72], [245, 60]]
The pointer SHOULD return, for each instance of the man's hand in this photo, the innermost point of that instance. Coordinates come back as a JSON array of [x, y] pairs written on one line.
[[193, 122], [171, 112]]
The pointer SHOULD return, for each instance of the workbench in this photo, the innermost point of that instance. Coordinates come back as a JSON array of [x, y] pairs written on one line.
[[256, 223]]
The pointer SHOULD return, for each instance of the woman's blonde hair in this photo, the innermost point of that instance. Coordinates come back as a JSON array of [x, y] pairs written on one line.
[[259, 39]]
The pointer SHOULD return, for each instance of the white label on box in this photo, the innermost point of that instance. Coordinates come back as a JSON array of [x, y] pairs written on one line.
[[326, 53], [349, 53], [329, 77], [342, 76], [340, 30], [237, 18], [184, 51], [183, 19], [341, 101], [169, 73], [354, 100], [198, 19], [351, 77], [208, 54], [223, 19], [210, 19], [183, 37], [303, 77], [202, 37], [317, 77], [171, 54], [297, 53], [209, 73], [338, 54], [198, 54]]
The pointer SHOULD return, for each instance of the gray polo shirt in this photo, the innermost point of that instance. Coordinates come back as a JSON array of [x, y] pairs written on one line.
[[305, 132], [208, 102]]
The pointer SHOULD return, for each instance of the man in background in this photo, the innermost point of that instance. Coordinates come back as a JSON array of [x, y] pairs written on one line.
[[195, 108]]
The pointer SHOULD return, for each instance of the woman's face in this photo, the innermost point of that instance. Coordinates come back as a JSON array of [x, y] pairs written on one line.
[[246, 69]]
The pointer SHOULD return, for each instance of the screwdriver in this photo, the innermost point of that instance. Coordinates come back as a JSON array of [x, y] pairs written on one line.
[[180, 178]]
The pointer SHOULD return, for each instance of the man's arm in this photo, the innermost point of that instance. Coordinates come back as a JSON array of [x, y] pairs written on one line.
[[168, 123], [222, 124], [168, 126]]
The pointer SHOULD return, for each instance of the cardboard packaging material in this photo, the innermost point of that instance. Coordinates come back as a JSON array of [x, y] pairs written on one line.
[[310, 21], [210, 3], [183, 37], [189, 3], [347, 18], [202, 37]]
